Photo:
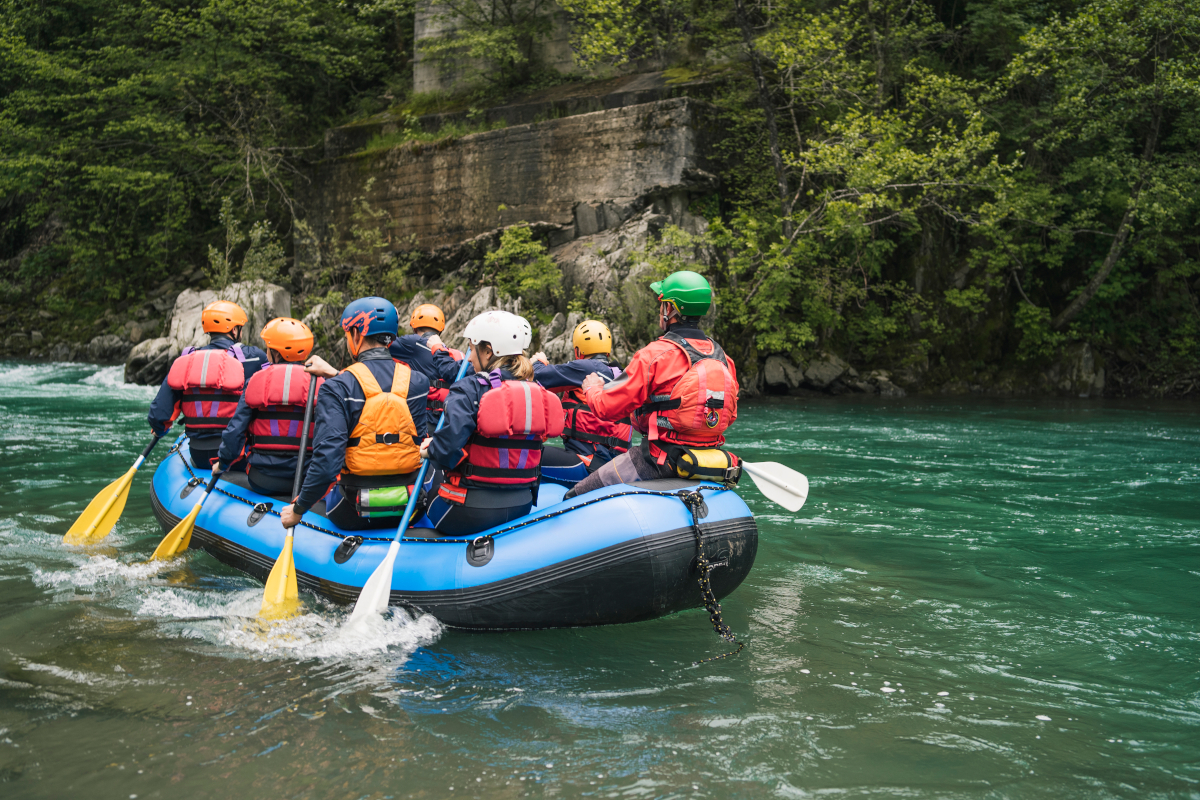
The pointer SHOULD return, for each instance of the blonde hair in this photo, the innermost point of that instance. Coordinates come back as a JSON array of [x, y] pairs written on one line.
[[518, 365]]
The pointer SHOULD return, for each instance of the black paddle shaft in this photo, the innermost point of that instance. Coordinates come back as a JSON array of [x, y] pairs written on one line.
[[149, 447], [308, 410]]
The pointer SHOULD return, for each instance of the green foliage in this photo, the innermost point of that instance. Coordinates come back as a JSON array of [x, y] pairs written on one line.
[[520, 267], [950, 174], [264, 258], [353, 261], [492, 41], [1038, 341], [615, 32], [412, 132], [124, 125]]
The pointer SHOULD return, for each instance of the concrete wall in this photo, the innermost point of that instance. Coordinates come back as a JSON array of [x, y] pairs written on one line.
[[582, 173], [433, 21]]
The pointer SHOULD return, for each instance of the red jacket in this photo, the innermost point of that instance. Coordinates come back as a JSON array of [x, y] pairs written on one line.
[[654, 370]]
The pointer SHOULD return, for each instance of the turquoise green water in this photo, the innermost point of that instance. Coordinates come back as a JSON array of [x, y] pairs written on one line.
[[979, 600]]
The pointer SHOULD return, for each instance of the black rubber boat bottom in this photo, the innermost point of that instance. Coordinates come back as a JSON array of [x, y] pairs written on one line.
[[640, 579]]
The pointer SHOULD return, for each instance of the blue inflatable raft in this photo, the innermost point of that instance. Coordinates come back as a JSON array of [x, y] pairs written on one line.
[[622, 554]]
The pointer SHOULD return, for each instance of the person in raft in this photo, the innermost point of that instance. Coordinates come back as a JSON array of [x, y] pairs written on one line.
[[588, 441], [368, 418], [417, 350], [680, 389], [270, 414], [497, 420], [205, 383]]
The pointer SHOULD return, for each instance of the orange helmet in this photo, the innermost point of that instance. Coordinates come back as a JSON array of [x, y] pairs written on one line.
[[428, 316], [289, 337], [222, 317]]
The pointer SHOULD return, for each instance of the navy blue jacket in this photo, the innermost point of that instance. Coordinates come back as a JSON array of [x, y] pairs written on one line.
[[163, 407], [413, 350], [339, 405], [572, 374], [277, 463]]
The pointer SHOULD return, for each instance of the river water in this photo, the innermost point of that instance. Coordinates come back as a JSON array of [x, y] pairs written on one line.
[[981, 599]]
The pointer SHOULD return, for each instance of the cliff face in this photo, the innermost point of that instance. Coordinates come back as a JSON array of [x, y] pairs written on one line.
[[596, 187], [580, 174]]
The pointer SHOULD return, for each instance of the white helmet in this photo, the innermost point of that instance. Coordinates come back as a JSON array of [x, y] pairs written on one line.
[[507, 333]]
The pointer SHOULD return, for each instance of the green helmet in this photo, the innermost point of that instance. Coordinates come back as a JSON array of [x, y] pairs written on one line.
[[688, 291]]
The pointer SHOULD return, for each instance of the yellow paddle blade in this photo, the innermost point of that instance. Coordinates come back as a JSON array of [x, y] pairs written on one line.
[[177, 540], [281, 599], [102, 513]]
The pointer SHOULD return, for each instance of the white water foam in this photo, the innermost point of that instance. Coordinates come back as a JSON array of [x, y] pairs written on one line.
[[100, 570], [230, 619], [112, 379], [108, 381]]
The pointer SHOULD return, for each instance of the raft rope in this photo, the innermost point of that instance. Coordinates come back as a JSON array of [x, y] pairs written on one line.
[[694, 502], [691, 498]]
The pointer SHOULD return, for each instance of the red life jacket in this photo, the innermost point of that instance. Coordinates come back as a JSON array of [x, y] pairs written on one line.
[[702, 403], [515, 419], [582, 425], [278, 394], [211, 381]]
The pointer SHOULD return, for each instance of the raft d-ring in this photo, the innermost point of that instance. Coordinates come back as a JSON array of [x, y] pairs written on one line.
[[346, 549], [191, 484], [480, 550], [260, 511]]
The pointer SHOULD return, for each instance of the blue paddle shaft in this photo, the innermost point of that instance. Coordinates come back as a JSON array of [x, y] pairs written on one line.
[[408, 509]]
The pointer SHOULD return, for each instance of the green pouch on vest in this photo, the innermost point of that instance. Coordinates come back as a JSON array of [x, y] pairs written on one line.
[[388, 501]]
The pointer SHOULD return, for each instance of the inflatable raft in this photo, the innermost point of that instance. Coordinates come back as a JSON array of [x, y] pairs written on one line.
[[622, 554]]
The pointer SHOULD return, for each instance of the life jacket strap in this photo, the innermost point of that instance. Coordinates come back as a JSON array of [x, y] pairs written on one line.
[[383, 438], [507, 444], [473, 470]]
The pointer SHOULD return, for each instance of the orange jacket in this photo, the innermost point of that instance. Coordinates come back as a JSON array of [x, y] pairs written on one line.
[[654, 370]]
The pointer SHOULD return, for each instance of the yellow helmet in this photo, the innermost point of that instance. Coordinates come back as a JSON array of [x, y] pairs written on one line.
[[591, 337]]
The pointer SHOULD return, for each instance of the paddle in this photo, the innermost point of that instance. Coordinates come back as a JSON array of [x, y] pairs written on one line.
[[281, 597], [180, 536], [105, 509], [780, 484], [373, 599]]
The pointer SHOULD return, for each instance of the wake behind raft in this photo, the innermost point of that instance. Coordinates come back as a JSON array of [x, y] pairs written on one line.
[[621, 554]]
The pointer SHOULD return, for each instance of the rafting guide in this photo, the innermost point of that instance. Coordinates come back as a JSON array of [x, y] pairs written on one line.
[[420, 475]]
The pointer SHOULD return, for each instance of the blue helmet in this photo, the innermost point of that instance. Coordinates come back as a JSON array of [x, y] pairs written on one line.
[[370, 316]]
